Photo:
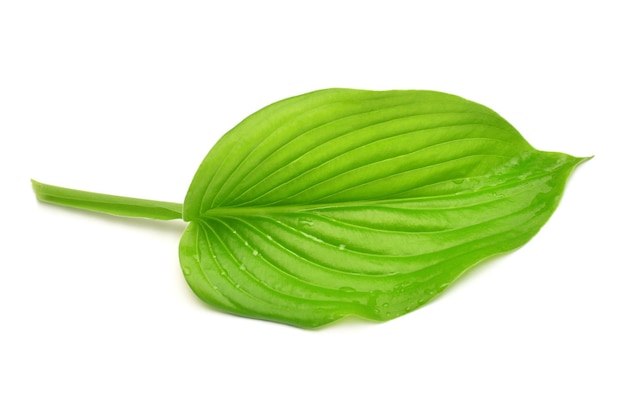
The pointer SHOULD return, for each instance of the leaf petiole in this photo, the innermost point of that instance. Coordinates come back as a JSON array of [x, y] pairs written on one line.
[[110, 204]]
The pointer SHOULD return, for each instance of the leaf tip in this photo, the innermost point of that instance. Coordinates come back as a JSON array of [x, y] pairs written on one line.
[[580, 160]]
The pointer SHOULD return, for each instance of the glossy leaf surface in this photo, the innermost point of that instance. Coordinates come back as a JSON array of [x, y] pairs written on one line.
[[347, 202]]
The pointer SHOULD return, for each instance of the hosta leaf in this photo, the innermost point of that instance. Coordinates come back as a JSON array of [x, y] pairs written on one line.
[[347, 202]]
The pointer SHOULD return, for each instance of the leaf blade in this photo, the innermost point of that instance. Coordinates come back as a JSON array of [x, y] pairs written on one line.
[[360, 222]]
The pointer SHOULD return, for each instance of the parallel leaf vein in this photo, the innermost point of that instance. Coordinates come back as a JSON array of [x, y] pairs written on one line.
[[331, 160], [300, 135]]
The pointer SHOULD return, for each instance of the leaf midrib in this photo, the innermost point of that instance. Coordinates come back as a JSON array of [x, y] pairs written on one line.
[[301, 208]]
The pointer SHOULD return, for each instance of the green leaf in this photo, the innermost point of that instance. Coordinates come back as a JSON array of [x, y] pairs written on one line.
[[347, 202], [350, 202]]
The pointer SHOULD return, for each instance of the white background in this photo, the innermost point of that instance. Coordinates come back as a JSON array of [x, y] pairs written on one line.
[[126, 97]]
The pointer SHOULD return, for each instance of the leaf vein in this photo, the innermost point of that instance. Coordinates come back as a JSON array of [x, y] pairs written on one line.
[[331, 160]]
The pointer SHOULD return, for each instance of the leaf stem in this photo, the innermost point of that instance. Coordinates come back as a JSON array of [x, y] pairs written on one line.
[[110, 204]]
